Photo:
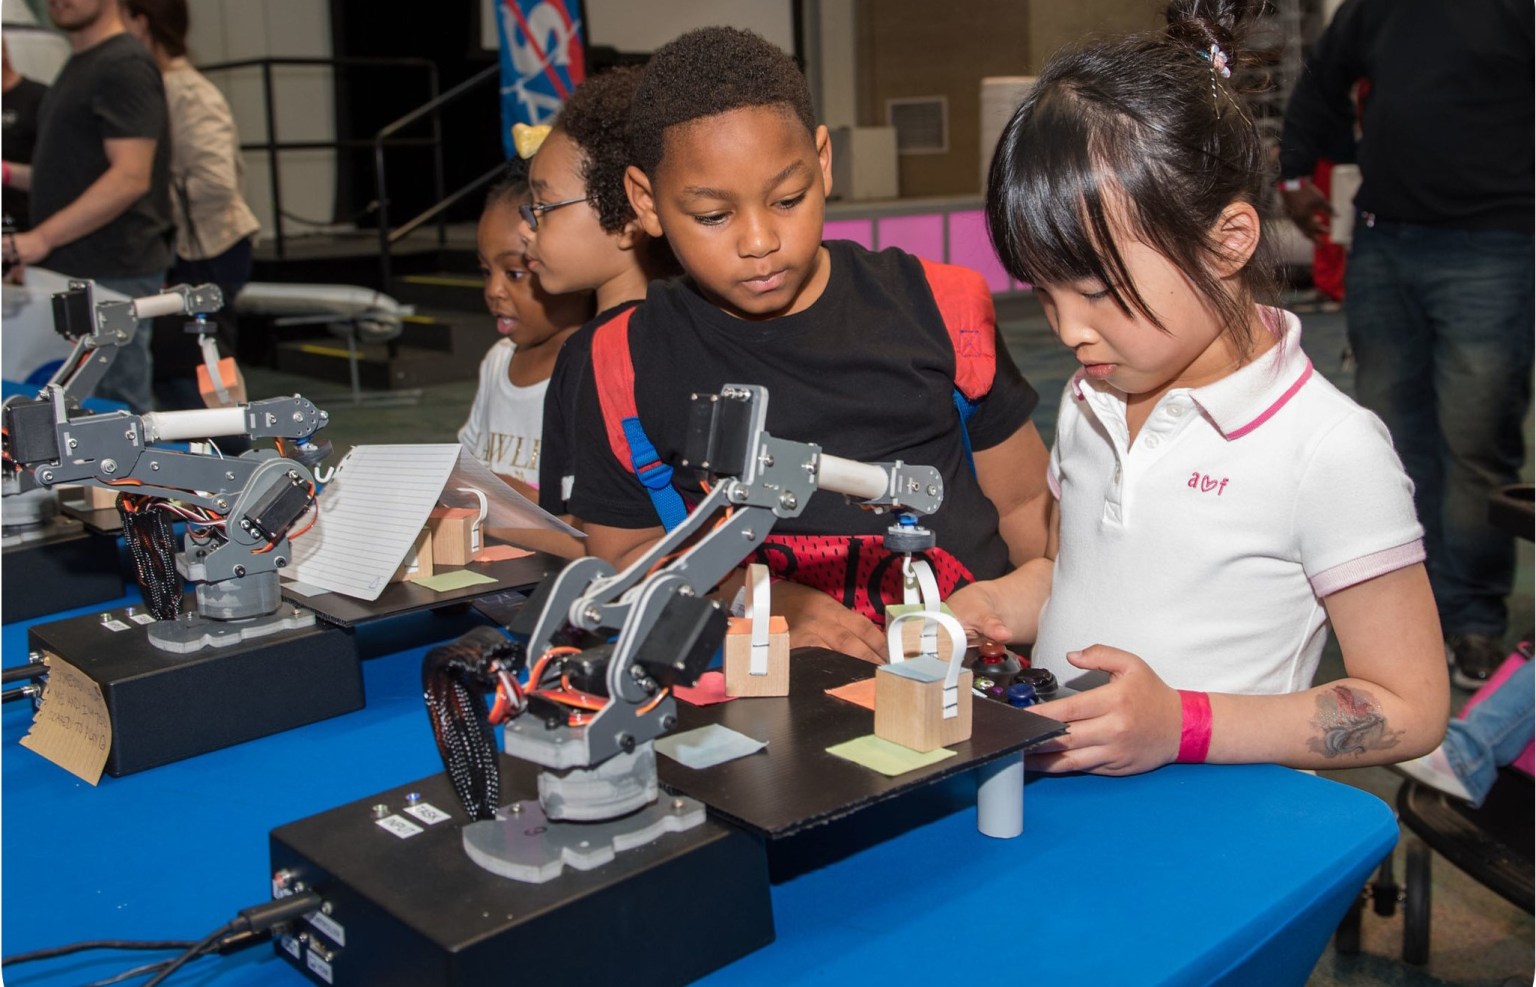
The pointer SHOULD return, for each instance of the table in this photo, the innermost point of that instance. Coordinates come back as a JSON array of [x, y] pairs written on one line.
[[1191, 874]]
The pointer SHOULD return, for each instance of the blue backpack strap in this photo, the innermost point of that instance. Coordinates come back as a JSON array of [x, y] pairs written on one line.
[[614, 373]]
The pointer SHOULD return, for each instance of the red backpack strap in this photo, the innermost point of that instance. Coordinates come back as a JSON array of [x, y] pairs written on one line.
[[965, 302], [614, 373]]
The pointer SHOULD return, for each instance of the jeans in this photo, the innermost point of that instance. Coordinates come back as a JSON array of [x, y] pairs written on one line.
[[1493, 733], [1440, 322], [128, 379]]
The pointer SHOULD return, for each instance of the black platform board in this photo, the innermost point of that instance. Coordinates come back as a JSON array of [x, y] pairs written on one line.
[[72, 568], [406, 597], [417, 911], [166, 707], [794, 783], [103, 520]]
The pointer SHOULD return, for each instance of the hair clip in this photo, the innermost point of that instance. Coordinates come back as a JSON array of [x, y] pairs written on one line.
[[1218, 60], [527, 139]]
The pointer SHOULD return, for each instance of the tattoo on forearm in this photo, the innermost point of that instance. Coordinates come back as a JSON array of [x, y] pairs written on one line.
[[1350, 721]]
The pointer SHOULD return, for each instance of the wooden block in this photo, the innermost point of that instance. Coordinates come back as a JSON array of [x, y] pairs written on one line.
[[101, 498], [453, 535], [739, 681], [910, 711], [912, 630], [418, 561]]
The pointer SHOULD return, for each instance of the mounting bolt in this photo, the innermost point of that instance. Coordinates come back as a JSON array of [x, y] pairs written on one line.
[[933, 490], [592, 615], [788, 501], [128, 435], [626, 743], [380, 811], [280, 562], [73, 443], [154, 465], [109, 466], [221, 504], [298, 416], [47, 476], [229, 474], [668, 722], [679, 804], [239, 570]]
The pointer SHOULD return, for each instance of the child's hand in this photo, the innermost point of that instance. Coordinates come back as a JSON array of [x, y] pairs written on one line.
[[1125, 727], [818, 621], [979, 611]]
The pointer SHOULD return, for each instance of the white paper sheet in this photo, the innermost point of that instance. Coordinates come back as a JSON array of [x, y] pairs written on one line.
[[377, 503]]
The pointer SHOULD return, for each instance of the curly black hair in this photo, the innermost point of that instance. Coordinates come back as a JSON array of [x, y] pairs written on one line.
[[510, 184], [595, 118], [707, 72]]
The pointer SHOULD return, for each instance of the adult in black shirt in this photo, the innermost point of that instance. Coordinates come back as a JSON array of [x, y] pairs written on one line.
[[1439, 285], [21, 101], [100, 176]]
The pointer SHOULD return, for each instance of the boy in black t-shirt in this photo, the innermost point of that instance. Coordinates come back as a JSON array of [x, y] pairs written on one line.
[[729, 164]]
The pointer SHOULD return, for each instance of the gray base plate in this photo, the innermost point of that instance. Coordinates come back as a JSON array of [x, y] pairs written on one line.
[[522, 844], [190, 633]]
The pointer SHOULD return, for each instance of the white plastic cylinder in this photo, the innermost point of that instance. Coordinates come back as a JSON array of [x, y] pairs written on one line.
[[199, 423], [845, 476], [151, 306], [1000, 797]]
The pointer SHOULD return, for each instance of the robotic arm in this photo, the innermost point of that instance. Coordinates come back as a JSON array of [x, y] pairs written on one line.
[[589, 713]]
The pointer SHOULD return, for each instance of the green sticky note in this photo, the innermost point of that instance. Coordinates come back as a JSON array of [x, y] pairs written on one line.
[[453, 579], [885, 757]]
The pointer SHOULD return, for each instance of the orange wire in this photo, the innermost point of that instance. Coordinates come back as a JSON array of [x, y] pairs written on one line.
[[579, 700], [538, 666], [654, 702]]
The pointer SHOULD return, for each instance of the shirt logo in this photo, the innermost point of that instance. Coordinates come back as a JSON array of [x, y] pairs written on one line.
[[1205, 483]]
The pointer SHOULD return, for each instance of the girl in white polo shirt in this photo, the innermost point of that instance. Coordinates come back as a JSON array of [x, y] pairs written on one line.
[[1218, 504]]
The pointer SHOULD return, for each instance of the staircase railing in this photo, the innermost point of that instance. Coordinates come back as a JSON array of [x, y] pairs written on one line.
[[438, 210], [274, 148]]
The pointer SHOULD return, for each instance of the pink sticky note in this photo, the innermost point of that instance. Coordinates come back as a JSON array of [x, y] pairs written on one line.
[[860, 693], [500, 553], [710, 690]]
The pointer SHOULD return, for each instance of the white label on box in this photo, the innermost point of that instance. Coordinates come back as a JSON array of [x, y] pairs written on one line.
[[321, 968], [292, 946], [428, 813], [141, 618], [329, 926], [400, 826], [114, 625]]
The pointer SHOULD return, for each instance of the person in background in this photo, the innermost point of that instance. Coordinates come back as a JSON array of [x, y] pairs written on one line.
[[1439, 282], [506, 422], [215, 228], [100, 177], [21, 101], [592, 243], [1219, 506]]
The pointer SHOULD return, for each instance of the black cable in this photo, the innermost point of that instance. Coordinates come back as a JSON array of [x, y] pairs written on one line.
[[193, 952], [455, 678], [137, 971], [257, 918], [31, 670], [151, 544], [80, 947]]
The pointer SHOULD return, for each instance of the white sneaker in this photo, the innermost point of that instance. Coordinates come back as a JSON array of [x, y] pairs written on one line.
[[1434, 770]]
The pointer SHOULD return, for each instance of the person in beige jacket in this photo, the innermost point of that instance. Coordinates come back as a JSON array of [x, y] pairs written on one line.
[[215, 228]]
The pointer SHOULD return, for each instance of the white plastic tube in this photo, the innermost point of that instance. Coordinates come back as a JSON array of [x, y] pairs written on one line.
[[152, 306], [199, 423], [845, 476], [1000, 797]]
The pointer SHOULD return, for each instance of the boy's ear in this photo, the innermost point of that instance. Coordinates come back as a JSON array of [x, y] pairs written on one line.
[[637, 184], [824, 155], [1236, 237]]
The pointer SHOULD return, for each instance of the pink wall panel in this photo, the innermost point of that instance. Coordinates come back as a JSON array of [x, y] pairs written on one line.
[[860, 231], [970, 247], [920, 235]]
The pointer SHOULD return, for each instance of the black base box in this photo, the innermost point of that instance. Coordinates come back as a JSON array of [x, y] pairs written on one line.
[[166, 707], [74, 568], [416, 910]]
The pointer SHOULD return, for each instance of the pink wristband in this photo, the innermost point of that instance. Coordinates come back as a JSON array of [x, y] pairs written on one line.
[[1195, 733], [5, 173]]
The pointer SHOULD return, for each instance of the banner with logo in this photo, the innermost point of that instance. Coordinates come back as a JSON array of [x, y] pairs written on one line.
[[542, 60]]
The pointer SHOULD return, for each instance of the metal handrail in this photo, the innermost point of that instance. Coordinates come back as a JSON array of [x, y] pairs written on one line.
[[272, 146], [443, 202]]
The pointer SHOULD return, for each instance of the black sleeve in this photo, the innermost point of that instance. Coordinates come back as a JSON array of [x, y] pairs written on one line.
[[1319, 118], [606, 491], [554, 445], [134, 105]]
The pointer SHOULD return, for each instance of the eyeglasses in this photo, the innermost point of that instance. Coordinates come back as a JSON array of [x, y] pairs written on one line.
[[531, 212]]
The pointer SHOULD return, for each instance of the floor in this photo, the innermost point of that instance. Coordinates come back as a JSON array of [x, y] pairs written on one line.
[[1477, 938]]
